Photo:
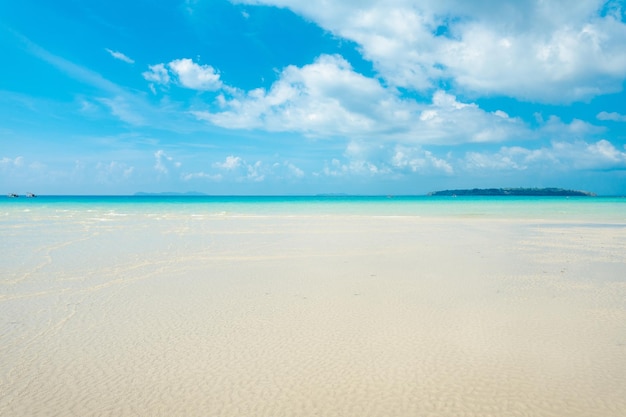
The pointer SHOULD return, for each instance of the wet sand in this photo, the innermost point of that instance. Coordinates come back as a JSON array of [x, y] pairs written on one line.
[[311, 316]]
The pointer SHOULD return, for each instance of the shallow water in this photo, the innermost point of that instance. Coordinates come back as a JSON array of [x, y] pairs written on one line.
[[312, 306], [591, 209]]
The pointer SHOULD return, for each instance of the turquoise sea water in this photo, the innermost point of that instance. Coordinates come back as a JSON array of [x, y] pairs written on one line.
[[583, 209]]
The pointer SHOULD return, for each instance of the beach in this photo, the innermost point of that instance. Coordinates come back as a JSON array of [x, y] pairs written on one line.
[[112, 311]]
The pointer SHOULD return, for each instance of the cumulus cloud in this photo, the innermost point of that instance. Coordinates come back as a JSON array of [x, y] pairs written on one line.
[[364, 158], [120, 56], [563, 155], [508, 158], [187, 73], [157, 74], [613, 116], [536, 50], [446, 120], [328, 98], [322, 98], [163, 162], [237, 169], [419, 160], [386, 161], [600, 155], [230, 163], [555, 128], [194, 76], [241, 170]]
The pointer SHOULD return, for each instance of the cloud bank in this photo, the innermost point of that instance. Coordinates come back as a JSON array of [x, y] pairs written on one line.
[[551, 52], [329, 99]]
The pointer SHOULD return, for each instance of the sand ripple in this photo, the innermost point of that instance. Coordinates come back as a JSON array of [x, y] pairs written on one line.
[[311, 316]]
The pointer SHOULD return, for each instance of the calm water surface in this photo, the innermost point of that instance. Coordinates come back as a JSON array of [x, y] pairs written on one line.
[[584, 209]]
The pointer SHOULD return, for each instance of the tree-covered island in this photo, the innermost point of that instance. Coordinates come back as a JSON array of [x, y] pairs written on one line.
[[541, 192]]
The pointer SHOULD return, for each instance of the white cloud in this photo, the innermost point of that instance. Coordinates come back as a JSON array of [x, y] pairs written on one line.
[[241, 170], [284, 171], [447, 120], [163, 162], [120, 56], [419, 160], [598, 155], [334, 169], [230, 163], [555, 129], [562, 155], [328, 98], [19, 170], [237, 169], [294, 171], [255, 171], [201, 175], [549, 51], [508, 158], [187, 73], [386, 161], [194, 76], [16, 162], [322, 98], [157, 74], [366, 158], [616, 117]]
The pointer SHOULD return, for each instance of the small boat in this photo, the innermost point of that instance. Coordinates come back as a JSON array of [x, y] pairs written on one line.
[[30, 195], [13, 195]]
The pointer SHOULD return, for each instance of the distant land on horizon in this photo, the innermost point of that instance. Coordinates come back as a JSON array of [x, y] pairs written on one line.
[[547, 192], [534, 192]]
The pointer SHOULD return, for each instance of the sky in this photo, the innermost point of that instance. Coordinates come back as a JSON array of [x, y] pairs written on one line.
[[256, 97]]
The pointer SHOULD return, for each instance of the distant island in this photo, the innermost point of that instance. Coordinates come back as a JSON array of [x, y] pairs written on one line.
[[541, 192]]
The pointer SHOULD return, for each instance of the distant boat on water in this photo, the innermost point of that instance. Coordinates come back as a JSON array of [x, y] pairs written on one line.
[[31, 195], [12, 195]]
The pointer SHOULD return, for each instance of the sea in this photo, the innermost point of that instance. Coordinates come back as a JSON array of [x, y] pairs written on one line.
[[599, 210]]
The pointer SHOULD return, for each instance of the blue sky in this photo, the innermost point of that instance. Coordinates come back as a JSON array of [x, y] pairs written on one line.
[[307, 97]]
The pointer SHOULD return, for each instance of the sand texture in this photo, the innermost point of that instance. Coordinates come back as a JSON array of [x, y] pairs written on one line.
[[169, 315]]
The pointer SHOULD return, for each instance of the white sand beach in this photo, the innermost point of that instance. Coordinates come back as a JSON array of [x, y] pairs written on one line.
[[311, 316]]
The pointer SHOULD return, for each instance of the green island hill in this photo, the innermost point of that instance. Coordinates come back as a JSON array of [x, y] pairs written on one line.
[[542, 192]]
